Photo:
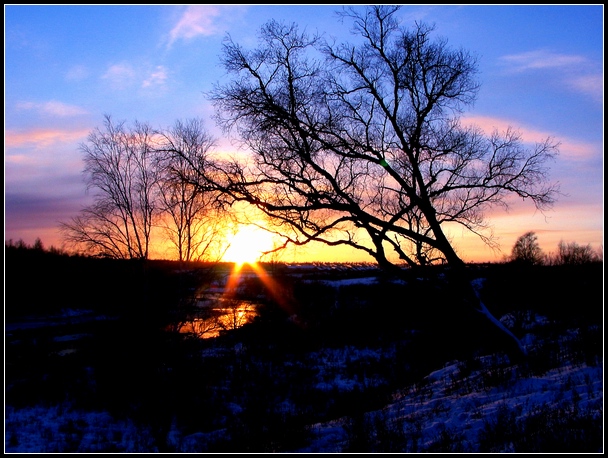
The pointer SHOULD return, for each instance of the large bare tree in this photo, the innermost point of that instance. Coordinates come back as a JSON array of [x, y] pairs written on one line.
[[362, 145], [119, 171]]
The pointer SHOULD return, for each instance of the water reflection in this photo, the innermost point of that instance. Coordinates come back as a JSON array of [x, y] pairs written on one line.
[[222, 306], [213, 317]]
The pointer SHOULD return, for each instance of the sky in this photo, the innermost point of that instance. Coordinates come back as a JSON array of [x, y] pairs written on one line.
[[66, 66]]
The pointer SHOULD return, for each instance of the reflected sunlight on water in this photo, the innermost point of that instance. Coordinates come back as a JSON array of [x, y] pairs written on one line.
[[211, 320]]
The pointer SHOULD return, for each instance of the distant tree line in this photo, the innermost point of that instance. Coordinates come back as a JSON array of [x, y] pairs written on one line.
[[527, 250], [36, 246]]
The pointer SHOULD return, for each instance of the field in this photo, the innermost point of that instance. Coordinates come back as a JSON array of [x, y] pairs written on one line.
[[337, 358]]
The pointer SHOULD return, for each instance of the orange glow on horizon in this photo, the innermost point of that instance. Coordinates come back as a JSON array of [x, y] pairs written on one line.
[[568, 222]]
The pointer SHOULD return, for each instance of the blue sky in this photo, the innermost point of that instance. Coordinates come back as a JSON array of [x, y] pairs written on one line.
[[541, 71]]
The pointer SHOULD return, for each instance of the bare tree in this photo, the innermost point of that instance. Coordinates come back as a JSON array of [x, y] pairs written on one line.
[[119, 172], [192, 218], [361, 145], [527, 250], [574, 254]]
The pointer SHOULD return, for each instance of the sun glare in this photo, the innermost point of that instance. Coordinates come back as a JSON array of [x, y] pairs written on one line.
[[248, 245]]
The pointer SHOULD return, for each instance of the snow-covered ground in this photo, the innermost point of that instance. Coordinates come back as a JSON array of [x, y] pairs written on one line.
[[458, 410], [487, 404], [444, 408]]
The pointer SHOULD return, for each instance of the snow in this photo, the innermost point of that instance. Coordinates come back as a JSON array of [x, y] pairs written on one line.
[[439, 406], [455, 404], [350, 281], [477, 284], [53, 428], [443, 404]]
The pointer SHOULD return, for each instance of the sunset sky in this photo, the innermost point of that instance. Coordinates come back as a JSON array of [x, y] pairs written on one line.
[[541, 71]]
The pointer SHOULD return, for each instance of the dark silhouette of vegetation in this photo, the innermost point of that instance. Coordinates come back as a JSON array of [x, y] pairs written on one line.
[[361, 145], [257, 388], [119, 171], [193, 221], [527, 250], [574, 254], [64, 282], [139, 184]]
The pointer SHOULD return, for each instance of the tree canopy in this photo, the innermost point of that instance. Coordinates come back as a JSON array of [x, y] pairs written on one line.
[[362, 144]]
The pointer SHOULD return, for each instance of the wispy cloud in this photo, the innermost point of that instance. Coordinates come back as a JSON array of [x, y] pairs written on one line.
[[540, 59], [52, 108], [156, 78], [40, 137], [200, 20], [127, 76], [576, 72], [592, 85], [569, 148], [120, 75]]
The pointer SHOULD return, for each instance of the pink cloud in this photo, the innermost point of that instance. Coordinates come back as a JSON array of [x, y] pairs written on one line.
[[569, 149], [592, 85], [196, 20], [42, 137], [576, 72], [77, 73]]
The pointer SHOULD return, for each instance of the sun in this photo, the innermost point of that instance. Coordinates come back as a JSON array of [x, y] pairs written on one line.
[[248, 244]]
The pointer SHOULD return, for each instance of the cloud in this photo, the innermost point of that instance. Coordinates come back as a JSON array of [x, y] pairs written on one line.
[[40, 137], [576, 72], [53, 108], [199, 20], [40, 210], [569, 148], [540, 59], [77, 73], [120, 75], [592, 85], [156, 78], [566, 215]]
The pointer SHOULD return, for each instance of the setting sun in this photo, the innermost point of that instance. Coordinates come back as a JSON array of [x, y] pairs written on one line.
[[249, 243]]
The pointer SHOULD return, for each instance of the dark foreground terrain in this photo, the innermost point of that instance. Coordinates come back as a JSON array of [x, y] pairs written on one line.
[[337, 359]]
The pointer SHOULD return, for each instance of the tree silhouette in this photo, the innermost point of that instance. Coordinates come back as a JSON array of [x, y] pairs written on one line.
[[362, 145], [141, 180], [527, 250], [574, 254], [191, 219], [119, 171]]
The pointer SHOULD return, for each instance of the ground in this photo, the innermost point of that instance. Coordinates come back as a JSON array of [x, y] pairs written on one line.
[[338, 368]]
